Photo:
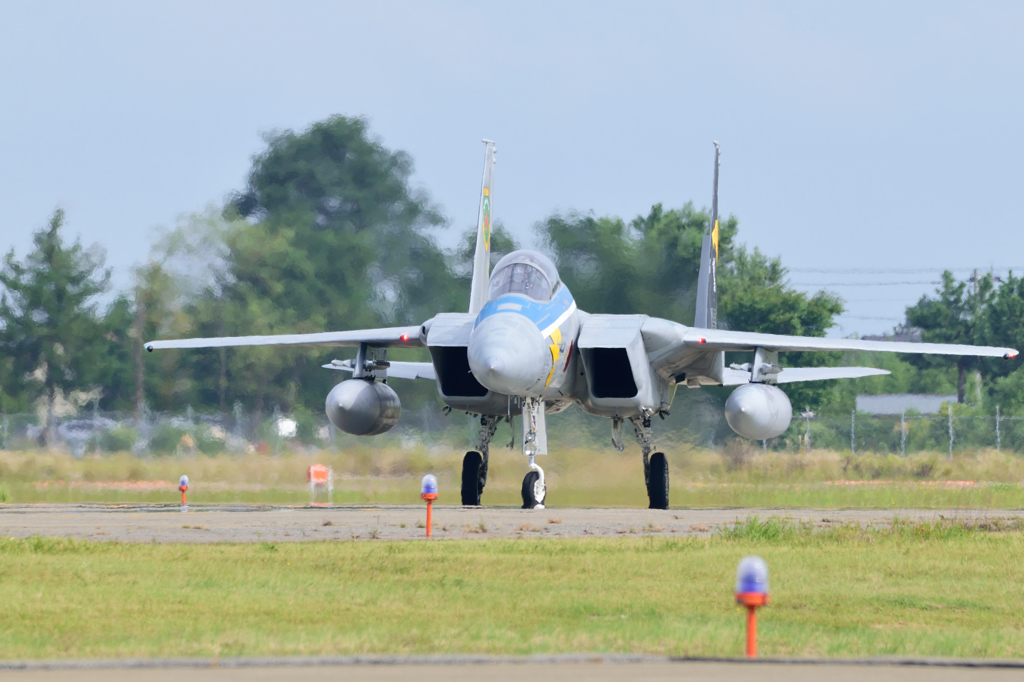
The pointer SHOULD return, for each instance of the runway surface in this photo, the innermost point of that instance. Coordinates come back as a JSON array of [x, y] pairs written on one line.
[[251, 523], [564, 668]]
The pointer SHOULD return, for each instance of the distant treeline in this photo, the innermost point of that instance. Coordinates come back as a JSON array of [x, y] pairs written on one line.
[[327, 234]]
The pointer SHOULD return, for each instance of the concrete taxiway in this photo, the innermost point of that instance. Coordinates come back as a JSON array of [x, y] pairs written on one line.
[[570, 668], [251, 523]]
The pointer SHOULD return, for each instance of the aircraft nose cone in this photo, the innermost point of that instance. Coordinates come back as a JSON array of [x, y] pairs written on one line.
[[507, 355], [495, 366]]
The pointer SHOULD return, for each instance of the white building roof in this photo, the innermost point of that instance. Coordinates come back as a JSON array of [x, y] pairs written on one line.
[[897, 403]]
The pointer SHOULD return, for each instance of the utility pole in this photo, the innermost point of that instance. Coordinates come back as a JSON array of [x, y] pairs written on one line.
[[903, 433], [949, 409], [999, 443], [853, 427]]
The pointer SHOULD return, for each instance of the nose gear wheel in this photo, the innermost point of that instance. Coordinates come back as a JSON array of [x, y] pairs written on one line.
[[534, 491]]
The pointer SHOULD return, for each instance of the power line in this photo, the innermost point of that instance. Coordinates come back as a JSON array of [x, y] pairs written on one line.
[[859, 284], [866, 317], [898, 271]]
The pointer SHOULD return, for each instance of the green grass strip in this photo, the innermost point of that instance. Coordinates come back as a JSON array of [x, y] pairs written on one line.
[[943, 589]]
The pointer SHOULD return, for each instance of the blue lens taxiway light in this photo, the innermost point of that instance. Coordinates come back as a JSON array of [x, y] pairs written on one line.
[[752, 576], [752, 592], [183, 483], [429, 485]]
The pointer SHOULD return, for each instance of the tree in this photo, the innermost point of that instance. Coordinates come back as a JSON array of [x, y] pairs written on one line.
[[955, 315], [341, 201], [328, 234], [650, 266], [1003, 325], [51, 328], [647, 266]]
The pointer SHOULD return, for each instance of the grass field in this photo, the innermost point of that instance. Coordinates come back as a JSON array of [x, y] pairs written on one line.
[[921, 590], [577, 477]]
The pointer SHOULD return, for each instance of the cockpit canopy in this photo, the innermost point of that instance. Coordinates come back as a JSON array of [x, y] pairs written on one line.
[[524, 272]]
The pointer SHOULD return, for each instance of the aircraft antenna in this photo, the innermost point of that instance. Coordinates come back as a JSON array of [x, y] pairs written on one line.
[[714, 193]]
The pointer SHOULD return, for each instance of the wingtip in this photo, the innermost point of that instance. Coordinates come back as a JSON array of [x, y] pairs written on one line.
[[1011, 355]]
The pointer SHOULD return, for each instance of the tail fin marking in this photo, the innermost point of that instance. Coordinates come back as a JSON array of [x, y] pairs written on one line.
[[706, 316], [482, 255]]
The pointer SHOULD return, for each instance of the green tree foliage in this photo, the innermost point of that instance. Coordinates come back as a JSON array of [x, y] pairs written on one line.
[[328, 234], [646, 266], [1004, 326], [650, 265], [955, 315], [345, 225], [53, 335]]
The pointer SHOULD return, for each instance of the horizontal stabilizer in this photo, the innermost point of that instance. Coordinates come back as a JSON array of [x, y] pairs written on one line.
[[400, 370], [790, 375], [389, 337]]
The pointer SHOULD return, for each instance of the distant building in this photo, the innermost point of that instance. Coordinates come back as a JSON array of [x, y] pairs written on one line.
[[898, 403]]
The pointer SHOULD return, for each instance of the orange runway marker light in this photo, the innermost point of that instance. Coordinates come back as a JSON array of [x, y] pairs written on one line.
[[183, 486], [428, 492], [319, 477], [752, 592]]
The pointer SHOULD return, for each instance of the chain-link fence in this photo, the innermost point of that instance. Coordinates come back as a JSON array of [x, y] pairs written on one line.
[[861, 432], [241, 431], [154, 433]]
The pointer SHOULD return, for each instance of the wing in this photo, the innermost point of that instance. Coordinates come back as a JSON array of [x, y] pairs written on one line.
[[399, 369], [722, 339], [388, 337], [789, 375]]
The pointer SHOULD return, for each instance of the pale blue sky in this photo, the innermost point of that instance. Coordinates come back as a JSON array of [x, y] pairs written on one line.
[[881, 136]]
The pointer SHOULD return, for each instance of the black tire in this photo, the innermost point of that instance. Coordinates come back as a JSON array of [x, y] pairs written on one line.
[[471, 464], [530, 500], [657, 483]]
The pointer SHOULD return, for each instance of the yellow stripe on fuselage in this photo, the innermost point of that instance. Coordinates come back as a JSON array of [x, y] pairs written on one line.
[[556, 342]]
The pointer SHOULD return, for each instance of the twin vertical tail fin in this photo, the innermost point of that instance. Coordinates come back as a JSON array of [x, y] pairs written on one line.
[[482, 256], [706, 316]]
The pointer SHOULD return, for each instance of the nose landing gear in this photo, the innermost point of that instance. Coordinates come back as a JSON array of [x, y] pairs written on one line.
[[534, 489], [535, 442]]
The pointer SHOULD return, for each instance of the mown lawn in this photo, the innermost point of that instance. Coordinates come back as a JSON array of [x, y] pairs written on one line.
[[929, 589]]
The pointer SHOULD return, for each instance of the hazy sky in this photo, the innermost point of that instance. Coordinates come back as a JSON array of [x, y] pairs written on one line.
[[883, 137]]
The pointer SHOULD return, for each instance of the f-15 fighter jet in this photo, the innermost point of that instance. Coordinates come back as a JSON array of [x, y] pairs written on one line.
[[525, 349]]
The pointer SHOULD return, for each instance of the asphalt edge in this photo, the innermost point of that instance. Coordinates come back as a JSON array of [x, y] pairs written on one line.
[[469, 660]]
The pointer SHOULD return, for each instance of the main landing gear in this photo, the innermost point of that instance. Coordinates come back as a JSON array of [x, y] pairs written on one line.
[[474, 464], [655, 465]]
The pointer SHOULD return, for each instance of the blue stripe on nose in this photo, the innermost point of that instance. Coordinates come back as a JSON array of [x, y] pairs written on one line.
[[541, 313]]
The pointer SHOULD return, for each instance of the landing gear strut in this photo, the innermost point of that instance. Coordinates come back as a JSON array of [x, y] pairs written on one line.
[[474, 464], [655, 465], [535, 442]]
